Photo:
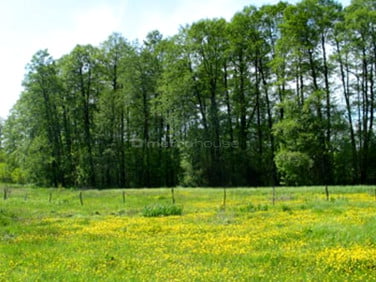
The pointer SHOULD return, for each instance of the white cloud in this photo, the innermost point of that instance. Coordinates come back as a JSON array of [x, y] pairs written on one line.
[[183, 12], [95, 25], [89, 26], [11, 73], [211, 9]]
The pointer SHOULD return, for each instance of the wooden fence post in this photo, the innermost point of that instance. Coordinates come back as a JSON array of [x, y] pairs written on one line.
[[224, 198], [173, 195], [327, 192], [81, 199], [274, 194]]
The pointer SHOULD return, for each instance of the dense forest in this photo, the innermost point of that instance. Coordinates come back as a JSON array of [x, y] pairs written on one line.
[[281, 94]]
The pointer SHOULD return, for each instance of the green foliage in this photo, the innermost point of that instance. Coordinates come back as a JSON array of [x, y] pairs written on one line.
[[162, 210], [19, 176], [286, 208], [254, 208], [6, 218], [1, 135], [5, 173], [294, 167]]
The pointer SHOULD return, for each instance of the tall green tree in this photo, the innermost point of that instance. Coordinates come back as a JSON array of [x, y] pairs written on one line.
[[306, 34], [36, 146], [82, 85], [111, 118], [208, 44], [358, 72], [177, 103], [1, 132]]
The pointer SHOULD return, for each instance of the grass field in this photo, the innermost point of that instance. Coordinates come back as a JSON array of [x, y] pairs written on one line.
[[47, 235]]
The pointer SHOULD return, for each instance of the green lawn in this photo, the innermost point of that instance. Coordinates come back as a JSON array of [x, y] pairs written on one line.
[[47, 235]]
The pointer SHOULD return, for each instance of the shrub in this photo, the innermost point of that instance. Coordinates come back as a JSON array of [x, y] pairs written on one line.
[[5, 174], [162, 210], [294, 167], [6, 218], [18, 176], [252, 208], [286, 208]]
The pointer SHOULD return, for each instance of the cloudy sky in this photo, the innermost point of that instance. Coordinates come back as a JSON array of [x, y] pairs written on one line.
[[27, 26]]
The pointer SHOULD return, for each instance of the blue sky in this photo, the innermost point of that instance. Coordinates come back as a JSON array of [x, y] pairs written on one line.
[[27, 26]]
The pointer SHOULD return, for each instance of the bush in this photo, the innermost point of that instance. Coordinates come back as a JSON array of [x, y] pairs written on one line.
[[294, 167], [18, 176], [252, 208], [162, 210], [5, 173], [6, 218], [286, 208]]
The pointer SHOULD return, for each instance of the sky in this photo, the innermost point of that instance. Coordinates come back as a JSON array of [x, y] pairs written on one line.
[[27, 26]]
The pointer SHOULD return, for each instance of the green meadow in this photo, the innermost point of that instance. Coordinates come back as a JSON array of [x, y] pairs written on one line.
[[237, 234]]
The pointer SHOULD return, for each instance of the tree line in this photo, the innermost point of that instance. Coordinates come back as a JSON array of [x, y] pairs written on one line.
[[281, 94]]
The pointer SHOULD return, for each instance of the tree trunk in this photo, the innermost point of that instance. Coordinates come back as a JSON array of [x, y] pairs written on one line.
[[345, 88]]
